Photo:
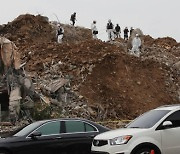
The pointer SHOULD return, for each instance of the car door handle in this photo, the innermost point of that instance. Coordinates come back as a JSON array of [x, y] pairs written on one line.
[[58, 137]]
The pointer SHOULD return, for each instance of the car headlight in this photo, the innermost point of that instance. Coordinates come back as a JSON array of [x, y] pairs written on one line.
[[120, 140]]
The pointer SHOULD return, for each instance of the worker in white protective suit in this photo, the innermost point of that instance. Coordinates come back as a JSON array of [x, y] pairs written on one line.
[[136, 45], [94, 30], [60, 33], [110, 30]]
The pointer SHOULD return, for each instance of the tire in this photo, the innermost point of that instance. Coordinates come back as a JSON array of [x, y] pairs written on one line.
[[145, 151]]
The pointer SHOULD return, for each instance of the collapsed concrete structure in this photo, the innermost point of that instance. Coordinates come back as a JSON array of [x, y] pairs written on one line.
[[10, 63], [14, 85], [92, 79]]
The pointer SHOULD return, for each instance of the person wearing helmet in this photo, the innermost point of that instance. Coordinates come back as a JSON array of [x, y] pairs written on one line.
[[136, 44], [94, 30], [110, 31]]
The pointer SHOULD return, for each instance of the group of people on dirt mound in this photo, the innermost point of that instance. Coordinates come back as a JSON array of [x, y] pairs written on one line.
[[112, 32], [60, 29]]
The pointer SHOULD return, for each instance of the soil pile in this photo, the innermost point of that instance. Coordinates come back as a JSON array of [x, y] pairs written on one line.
[[108, 82]]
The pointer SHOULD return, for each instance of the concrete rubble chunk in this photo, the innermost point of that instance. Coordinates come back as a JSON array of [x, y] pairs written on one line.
[[55, 85]]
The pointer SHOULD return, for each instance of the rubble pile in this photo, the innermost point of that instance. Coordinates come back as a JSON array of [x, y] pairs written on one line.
[[30, 29], [93, 79]]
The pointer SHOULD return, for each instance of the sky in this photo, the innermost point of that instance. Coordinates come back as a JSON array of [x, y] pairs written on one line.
[[157, 18]]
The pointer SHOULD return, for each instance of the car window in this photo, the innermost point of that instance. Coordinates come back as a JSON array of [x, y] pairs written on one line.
[[50, 128], [26, 130], [74, 126], [174, 118], [89, 128], [148, 119]]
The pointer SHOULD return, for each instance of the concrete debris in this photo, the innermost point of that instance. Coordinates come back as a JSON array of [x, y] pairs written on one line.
[[15, 95], [55, 85], [90, 78], [9, 54], [177, 67]]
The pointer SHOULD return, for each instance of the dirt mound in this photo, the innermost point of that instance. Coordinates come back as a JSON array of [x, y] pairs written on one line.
[[75, 34], [37, 29], [28, 28], [166, 42], [123, 85], [111, 83]]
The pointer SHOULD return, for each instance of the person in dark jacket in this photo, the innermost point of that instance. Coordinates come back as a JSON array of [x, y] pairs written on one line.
[[126, 31], [118, 31], [73, 18]]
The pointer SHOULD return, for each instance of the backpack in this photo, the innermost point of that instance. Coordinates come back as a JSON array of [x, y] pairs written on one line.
[[110, 25], [95, 32]]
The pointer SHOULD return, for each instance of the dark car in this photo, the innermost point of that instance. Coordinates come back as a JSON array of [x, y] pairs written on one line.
[[55, 136]]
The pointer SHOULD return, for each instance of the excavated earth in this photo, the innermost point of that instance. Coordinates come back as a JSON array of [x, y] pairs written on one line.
[[110, 84]]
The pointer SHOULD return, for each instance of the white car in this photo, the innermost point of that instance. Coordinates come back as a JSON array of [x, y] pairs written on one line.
[[155, 132]]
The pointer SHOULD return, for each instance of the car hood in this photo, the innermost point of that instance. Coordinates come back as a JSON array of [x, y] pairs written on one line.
[[119, 132]]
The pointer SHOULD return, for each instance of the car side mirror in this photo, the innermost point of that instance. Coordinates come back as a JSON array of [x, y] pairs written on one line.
[[167, 124], [35, 134]]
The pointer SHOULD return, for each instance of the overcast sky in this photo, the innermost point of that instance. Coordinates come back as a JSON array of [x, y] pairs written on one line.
[[158, 18]]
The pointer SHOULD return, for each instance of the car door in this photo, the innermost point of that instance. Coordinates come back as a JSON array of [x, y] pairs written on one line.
[[78, 136], [171, 136], [49, 141]]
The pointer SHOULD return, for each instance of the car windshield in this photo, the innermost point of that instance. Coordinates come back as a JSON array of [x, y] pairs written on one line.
[[26, 130], [148, 119]]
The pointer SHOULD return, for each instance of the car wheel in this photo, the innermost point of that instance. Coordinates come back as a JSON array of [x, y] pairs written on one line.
[[146, 151]]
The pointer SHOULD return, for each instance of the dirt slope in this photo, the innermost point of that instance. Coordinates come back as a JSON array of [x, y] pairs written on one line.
[[113, 84]]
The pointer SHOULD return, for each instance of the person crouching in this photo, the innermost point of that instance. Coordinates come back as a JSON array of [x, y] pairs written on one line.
[[60, 34]]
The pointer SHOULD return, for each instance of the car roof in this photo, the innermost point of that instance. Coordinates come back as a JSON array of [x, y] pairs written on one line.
[[78, 119], [65, 119], [169, 107]]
